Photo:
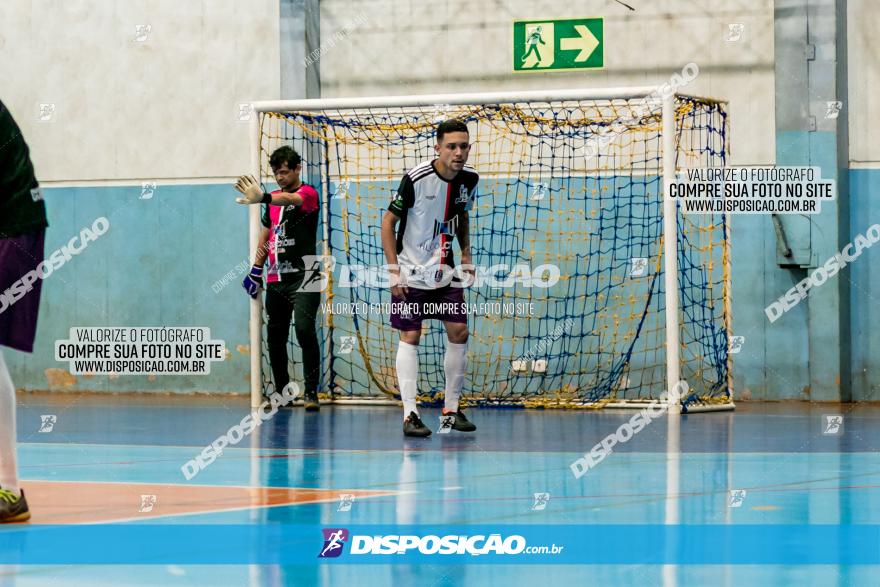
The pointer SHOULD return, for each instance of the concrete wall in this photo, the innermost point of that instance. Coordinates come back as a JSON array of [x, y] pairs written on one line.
[[864, 80], [160, 107], [424, 47], [166, 109], [157, 265], [864, 153], [420, 47]]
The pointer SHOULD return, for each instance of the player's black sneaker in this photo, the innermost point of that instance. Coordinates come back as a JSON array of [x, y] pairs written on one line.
[[413, 426], [13, 508], [311, 402], [459, 421]]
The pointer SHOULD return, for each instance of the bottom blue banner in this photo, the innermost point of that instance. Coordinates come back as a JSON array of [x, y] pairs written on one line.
[[440, 544]]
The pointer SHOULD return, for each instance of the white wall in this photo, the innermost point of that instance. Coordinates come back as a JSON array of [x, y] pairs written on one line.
[[425, 46], [863, 53], [167, 107], [163, 108]]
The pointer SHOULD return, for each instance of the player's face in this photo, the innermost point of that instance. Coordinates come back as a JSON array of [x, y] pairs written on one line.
[[285, 176], [453, 150]]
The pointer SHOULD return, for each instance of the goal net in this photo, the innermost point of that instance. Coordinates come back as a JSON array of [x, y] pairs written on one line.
[[573, 305]]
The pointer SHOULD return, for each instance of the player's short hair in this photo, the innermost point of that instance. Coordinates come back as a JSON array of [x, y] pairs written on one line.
[[284, 155], [451, 125]]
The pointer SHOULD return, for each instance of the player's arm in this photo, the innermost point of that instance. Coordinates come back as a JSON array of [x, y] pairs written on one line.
[[464, 241], [389, 245], [389, 237], [403, 200], [262, 247], [463, 234], [253, 281], [284, 199], [253, 194]]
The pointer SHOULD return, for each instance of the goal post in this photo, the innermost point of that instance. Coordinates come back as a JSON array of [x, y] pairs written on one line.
[[670, 250], [255, 320], [572, 179]]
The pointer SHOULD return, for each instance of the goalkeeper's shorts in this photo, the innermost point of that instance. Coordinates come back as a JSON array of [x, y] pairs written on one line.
[[444, 303], [20, 286]]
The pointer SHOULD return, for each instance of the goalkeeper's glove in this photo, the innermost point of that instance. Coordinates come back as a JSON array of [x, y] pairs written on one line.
[[250, 188], [253, 281]]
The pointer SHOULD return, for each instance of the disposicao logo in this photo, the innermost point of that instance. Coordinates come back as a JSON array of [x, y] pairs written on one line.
[[334, 539]]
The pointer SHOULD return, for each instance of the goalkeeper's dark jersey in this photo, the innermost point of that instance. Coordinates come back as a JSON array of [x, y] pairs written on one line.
[[21, 204], [292, 234]]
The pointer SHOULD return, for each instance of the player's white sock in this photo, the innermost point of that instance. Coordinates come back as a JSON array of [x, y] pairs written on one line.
[[455, 364], [8, 471], [408, 375]]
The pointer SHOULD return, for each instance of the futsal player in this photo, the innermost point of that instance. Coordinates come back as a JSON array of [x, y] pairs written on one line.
[[22, 228], [290, 224], [431, 205]]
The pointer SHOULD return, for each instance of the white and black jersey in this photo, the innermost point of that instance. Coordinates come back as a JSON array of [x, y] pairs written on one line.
[[429, 208]]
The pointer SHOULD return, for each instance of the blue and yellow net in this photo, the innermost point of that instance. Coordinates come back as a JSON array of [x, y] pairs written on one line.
[[575, 184]]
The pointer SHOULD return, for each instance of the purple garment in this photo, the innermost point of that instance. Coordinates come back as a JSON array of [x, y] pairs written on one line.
[[19, 291], [445, 303]]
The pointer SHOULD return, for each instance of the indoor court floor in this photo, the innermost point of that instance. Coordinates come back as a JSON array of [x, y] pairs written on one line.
[[115, 459]]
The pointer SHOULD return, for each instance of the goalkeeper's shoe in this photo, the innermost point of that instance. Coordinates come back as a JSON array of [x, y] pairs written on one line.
[[311, 402], [13, 508], [459, 421], [413, 426]]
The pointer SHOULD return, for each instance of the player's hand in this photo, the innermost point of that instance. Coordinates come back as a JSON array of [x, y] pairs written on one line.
[[253, 282], [250, 187], [467, 272], [399, 289]]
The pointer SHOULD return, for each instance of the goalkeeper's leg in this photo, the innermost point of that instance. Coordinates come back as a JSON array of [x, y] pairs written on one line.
[[280, 310], [306, 309]]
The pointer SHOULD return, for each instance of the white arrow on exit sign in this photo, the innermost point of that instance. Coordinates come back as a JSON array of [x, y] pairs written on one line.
[[585, 42]]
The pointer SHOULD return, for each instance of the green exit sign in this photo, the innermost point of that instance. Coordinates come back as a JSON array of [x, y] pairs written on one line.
[[555, 45]]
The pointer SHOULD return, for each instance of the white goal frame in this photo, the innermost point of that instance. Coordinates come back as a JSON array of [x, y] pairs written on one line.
[[670, 233]]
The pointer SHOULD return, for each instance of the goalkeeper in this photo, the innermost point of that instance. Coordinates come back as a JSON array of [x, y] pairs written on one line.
[[290, 224]]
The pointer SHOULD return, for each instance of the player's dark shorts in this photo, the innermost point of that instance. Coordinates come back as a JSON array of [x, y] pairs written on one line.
[[19, 255], [444, 303]]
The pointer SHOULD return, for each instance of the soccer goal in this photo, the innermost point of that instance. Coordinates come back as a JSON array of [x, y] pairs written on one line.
[[570, 179]]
